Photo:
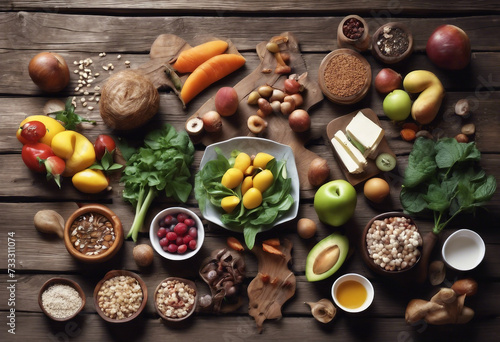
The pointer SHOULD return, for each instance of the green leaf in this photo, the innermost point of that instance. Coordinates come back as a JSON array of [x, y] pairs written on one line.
[[250, 233], [421, 163], [450, 151], [485, 190], [436, 198], [412, 201], [68, 116]]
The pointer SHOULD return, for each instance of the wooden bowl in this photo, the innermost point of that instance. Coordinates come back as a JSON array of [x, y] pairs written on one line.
[[376, 51], [360, 44], [360, 94], [370, 262], [109, 215], [62, 281], [193, 309], [116, 273]]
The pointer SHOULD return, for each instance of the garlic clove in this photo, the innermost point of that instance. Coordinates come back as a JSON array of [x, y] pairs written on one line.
[[323, 310]]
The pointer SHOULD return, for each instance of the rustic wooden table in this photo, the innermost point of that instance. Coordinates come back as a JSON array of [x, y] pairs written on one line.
[[128, 28]]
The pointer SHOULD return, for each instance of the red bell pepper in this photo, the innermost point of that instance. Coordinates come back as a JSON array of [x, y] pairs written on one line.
[[32, 151]]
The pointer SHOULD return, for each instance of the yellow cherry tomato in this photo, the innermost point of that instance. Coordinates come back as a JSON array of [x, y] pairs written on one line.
[[90, 181], [242, 161], [263, 180], [252, 198], [228, 203], [261, 160], [52, 125], [232, 178]]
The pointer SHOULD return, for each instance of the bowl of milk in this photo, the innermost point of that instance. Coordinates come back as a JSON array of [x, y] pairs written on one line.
[[463, 250]]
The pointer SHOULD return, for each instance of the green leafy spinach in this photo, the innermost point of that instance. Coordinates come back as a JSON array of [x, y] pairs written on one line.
[[444, 178], [163, 164], [276, 200]]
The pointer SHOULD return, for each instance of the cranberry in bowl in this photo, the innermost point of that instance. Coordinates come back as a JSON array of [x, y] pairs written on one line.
[[176, 233]]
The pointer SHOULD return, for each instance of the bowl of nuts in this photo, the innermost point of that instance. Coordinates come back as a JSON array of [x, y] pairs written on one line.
[[391, 244], [93, 233], [344, 76], [175, 299], [392, 43], [120, 296], [176, 233]]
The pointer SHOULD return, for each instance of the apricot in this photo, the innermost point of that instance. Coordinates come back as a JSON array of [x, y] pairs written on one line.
[[226, 101], [252, 198], [261, 160], [263, 180], [232, 178]]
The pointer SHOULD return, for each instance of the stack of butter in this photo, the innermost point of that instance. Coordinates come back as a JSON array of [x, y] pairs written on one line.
[[360, 141]]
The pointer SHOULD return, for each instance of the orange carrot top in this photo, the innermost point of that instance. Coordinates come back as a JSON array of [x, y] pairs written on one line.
[[209, 72], [188, 60]]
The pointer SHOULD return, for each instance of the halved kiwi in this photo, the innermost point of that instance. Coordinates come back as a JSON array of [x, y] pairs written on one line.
[[385, 161]]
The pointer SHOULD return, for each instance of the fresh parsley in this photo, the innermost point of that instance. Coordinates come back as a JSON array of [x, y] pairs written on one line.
[[68, 117], [163, 164], [276, 199], [444, 178]]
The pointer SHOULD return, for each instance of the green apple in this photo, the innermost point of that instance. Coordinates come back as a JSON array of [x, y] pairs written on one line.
[[397, 105], [335, 202]]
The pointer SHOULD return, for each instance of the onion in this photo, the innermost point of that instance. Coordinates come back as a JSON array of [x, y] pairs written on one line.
[[128, 100], [49, 71]]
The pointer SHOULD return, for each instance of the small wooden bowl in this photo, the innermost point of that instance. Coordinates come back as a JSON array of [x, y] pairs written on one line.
[[61, 281], [116, 273], [391, 59], [369, 261], [193, 309], [344, 99], [360, 44], [111, 216]]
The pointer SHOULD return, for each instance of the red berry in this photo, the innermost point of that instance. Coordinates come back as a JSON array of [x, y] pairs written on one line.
[[186, 239], [169, 220], [161, 232], [189, 222], [181, 217], [171, 236], [182, 249], [163, 242], [179, 241], [193, 232], [180, 229], [172, 248], [192, 244], [165, 248]]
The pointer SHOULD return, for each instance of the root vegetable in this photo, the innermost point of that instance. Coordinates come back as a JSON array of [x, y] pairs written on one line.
[[306, 228], [128, 100], [49, 222], [318, 172], [212, 121], [143, 255], [323, 310]]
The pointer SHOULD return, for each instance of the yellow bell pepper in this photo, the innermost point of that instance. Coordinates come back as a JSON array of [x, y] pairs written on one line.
[[90, 181], [75, 149], [52, 125]]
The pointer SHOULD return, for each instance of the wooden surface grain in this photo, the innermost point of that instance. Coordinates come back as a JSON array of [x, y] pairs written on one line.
[[79, 30]]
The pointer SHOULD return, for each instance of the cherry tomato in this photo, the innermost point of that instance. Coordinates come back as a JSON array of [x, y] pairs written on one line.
[[33, 131], [32, 151], [55, 167], [103, 142]]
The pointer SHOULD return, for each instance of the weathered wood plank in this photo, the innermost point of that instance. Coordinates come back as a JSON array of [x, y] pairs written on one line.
[[53, 31], [221, 8]]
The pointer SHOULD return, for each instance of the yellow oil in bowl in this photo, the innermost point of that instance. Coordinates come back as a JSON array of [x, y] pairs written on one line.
[[351, 294]]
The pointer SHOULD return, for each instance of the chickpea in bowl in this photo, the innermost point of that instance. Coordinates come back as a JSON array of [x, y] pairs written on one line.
[[391, 243]]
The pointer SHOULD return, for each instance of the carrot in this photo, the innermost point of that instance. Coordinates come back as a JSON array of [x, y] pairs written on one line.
[[270, 249], [235, 244], [209, 72], [190, 59]]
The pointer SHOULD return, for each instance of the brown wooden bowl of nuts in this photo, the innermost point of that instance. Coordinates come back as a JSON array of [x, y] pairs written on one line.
[[61, 299], [392, 43], [344, 76], [120, 296], [391, 244], [175, 299], [93, 233]]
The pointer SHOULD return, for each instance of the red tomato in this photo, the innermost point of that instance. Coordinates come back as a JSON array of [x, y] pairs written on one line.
[[55, 167], [33, 131], [103, 142], [32, 151]]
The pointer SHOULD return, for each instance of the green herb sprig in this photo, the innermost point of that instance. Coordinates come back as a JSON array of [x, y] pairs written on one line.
[[444, 178], [68, 117]]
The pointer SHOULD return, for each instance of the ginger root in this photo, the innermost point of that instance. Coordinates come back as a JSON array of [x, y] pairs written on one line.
[[445, 307]]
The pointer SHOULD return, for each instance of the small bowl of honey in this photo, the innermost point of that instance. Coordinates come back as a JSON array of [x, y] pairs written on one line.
[[352, 293]]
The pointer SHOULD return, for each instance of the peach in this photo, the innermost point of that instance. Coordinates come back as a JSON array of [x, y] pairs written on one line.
[[226, 101]]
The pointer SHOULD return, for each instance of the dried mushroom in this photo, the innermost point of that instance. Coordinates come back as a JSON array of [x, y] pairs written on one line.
[[224, 272], [323, 310]]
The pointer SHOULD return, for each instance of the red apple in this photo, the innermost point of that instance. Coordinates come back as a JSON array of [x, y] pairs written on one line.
[[449, 47], [387, 80], [49, 71]]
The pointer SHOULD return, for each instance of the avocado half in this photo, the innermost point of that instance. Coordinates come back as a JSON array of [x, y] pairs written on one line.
[[326, 257]]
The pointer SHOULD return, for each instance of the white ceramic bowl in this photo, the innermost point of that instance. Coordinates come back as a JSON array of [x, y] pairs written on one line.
[[463, 250], [370, 293], [155, 241], [252, 145]]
